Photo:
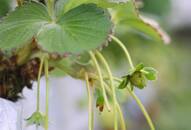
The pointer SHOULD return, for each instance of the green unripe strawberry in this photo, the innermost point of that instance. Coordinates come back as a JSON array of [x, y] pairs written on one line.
[[138, 79]]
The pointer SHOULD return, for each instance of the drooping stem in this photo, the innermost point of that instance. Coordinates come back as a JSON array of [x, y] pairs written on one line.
[[141, 106], [131, 92], [47, 94], [121, 117], [38, 83], [102, 59], [90, 104], [139, 103], [124, 49], [101, 80]]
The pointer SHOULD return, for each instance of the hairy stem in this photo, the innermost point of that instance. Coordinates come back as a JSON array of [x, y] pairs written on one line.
[[47, 94], [102, 59], [100, 79], [124, 49], [38, 83], [90, 104]]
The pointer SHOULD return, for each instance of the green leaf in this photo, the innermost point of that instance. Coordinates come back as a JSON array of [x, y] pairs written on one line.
[[4, 7], [71, 67], [80, 29], [128, 16], [150, 73], [56, 72], [66, 5], [21, 25]]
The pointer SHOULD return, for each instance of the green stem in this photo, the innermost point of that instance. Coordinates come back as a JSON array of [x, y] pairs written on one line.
[[122, 120], [47, 94], [38, 83], [141, 106], [124, 49], [50, 6], [90, 103], [100, 79], [139, 103], [102, 59]]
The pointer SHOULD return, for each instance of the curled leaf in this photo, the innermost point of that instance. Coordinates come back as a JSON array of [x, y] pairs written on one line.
[[155, 25], [128, 15]]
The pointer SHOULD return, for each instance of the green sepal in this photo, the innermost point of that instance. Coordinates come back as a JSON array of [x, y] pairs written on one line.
[[139, 67], [100, 101], [150, 73], [124, 83], [36, 119]]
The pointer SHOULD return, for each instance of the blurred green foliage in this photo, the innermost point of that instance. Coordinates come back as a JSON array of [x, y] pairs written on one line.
[[4, 7], [157, 7]]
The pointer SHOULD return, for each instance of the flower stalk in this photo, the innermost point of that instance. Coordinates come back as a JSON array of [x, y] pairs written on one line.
[[100, 79], [90, 104], [124, 49], [102, 59], [38, 83], [47, 94]]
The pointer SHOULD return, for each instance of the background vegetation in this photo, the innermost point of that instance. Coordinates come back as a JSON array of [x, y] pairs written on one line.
[[170, 105]]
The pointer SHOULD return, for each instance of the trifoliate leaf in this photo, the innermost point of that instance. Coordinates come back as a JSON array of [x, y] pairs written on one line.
[[80, 29], [36, 119], [150, 73], [138, 80], [21, 25]]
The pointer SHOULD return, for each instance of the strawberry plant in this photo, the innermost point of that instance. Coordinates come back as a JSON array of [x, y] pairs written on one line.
[[40, 36]]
